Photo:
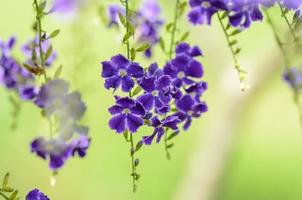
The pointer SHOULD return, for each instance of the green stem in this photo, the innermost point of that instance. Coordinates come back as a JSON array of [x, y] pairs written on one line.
[[4, 196], [42, 58], [296, 40], [174, 30], [38, 17], [134, 186], [168, 155], [127, 29], [277, 38], [133, 168], [228, 40], [240, 72]]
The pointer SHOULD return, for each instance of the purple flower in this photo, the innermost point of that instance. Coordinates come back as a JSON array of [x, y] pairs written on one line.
[[113, 12], [32, 52], [156, 87], [291, 4], [184, 67], [127, 115], [189, 108], [67, 7], [36, 195], [243, 12], [196, 90], [293, 77], [12, 75], [120, 72], [203, 10], [170, 122], [58, 150]]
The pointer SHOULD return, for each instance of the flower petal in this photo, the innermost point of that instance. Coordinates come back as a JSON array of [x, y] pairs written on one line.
[[134, 122], [118, 123], [108, 69], [147, 100]]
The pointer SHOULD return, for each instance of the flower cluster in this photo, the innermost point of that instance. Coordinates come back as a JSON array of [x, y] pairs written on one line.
[[13, 75], [146, 21], [67, 108], [240, 12], [170, 96]]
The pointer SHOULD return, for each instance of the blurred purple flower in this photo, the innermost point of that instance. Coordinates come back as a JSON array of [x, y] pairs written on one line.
[[36, 195]]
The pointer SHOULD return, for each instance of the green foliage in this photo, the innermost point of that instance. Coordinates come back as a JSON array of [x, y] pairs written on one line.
[[7, 192]]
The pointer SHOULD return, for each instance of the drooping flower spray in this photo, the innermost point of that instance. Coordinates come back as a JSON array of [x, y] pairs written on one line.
[[61, 108], [160, 99], [292, 75]]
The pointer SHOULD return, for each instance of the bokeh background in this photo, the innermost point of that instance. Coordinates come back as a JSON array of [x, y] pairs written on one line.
[[247, 147]]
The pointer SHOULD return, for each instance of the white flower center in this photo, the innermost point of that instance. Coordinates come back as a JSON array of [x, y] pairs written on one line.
[[155, 93], [180, 75], [126, 111], [206, 4], [190, 112], [122, 72]]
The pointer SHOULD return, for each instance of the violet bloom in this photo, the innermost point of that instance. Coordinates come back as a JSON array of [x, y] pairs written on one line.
[[127, 115], [196, 90], [243, 12], [170, 122], [184, 67], [291, 4], [12, 75], [58, 151], [156, 89], [149, 24], [203, 10], [67, 7], [120, 72], [189, 108], [32, 52], [113, 12], [36, 194], [293, 77]]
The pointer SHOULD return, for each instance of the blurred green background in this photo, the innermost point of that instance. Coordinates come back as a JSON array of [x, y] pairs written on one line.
[[247, 147]]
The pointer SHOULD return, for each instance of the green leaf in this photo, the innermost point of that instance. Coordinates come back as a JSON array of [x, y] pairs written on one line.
[[138, 146], [54, 34], [122, 19], [14, 195], [162, 44], [5, 180], [126, 37], [136, 90], [143, 47], [132, 54], [58, 72], [126, 134], [184, 36], [48, 52], [233, 42], [169, 27], [172, 136], [7, 189], [235, 32]]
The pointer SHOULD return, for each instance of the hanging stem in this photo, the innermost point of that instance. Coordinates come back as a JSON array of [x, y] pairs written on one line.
[[277, 38], [287, 62], [241, 73], [42, 58], [168, 155], [296, 40], [174, 30], [132, 149], [4, 196], [38, 17]]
